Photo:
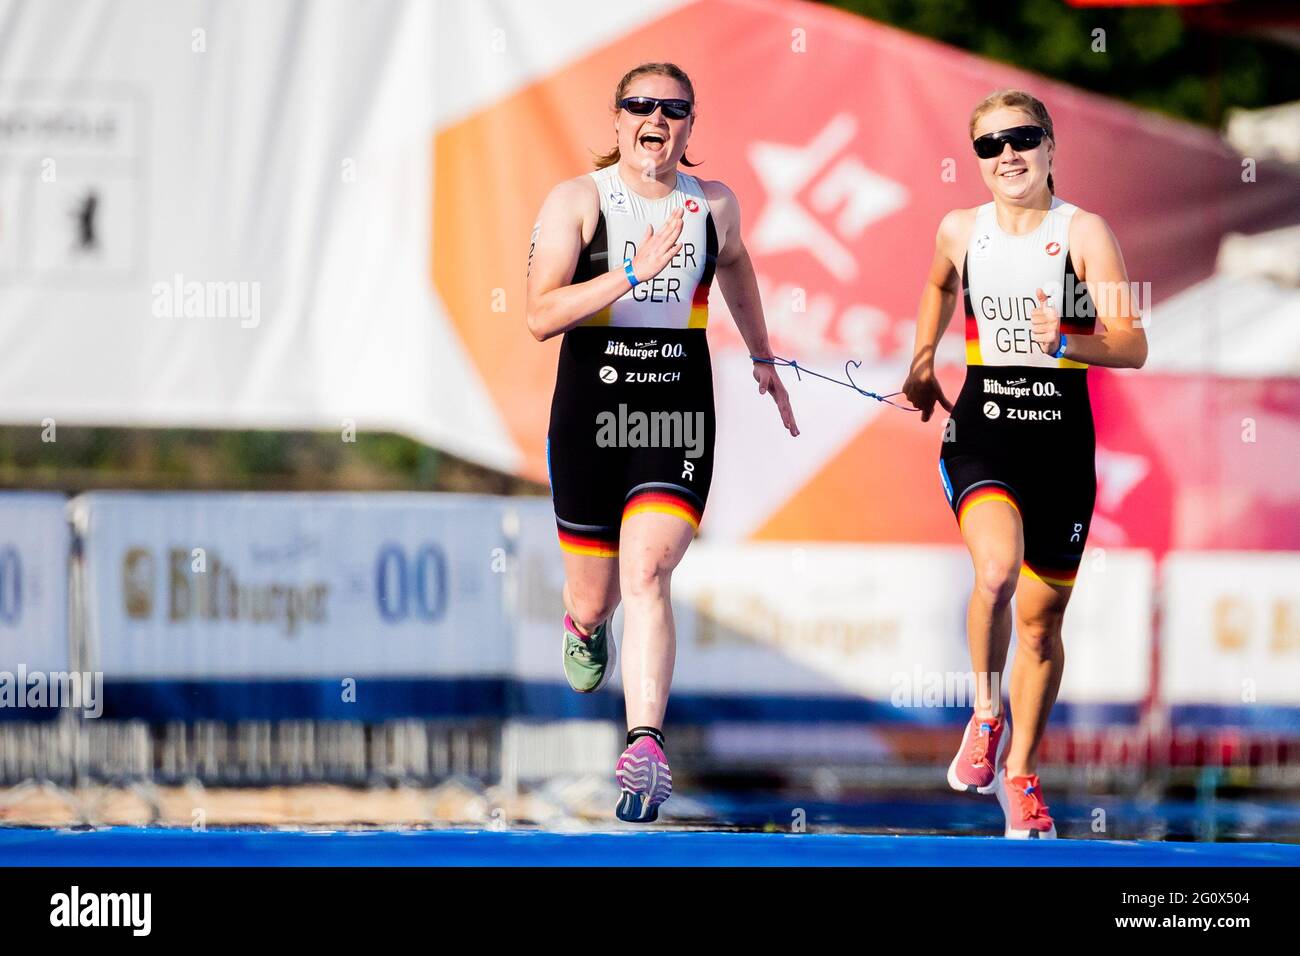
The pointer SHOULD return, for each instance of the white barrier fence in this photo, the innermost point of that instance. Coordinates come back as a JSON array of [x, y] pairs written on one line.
[[294, 605], [34, 650], [374, 608], [36, 681], [799, 624], [1231, 650]]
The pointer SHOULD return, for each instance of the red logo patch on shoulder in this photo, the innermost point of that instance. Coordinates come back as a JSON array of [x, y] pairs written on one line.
[[1053, 248], [692, 206]]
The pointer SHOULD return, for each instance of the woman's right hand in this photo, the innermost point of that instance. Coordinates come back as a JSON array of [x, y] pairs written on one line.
[[657, 249], [922, 389]]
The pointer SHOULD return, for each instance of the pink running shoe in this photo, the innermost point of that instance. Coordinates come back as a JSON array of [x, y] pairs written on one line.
[[644, 778], [1023, 806], [983, 748]]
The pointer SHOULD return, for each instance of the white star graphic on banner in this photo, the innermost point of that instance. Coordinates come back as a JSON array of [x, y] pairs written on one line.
[[860, 196]]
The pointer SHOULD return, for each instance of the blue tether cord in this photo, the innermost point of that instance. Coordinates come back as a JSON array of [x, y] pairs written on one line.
[[799, 370]]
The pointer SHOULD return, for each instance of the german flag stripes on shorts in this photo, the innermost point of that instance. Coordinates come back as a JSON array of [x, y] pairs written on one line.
[[602, 542]]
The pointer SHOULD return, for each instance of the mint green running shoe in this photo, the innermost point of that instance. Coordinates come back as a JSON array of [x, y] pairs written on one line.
[[588, 661]]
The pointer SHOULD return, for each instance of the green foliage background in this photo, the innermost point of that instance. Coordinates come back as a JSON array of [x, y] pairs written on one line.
[[1152, 57]]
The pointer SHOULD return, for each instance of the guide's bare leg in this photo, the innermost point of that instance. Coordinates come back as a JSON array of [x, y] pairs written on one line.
[[650, 549], [1036, 674], [995, 537]]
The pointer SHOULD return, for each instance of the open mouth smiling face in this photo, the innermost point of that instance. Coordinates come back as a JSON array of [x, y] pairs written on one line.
[[653, 140]]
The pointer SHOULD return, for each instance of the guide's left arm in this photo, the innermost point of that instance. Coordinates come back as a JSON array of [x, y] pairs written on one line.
[[735, 274]]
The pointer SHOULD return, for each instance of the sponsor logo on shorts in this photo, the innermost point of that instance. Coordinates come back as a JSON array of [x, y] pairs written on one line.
[[608, 374], [652, 378], [994, 387], [645, 350], [1020, 388], [993, 411], [1033, 415]]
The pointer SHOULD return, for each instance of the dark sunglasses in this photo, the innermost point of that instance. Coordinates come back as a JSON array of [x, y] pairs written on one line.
[[645, 105], [1021, 138]]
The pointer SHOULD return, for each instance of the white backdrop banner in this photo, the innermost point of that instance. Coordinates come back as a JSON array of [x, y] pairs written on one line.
[[34, 542], [219, 215], [1231, 637], [216, 215], [395, 598]]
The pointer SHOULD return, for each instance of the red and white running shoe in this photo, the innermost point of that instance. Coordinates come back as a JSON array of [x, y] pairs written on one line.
[[1023, 806], [983, 749]]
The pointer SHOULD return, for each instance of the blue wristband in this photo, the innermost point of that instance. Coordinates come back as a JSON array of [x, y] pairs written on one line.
[[630, 273], [1060, 352]]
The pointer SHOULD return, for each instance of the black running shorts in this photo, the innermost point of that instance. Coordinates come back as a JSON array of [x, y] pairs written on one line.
[[632, 431], [1024, 436]]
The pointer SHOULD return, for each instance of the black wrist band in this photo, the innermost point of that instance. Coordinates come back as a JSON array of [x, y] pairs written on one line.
[[637, 732]]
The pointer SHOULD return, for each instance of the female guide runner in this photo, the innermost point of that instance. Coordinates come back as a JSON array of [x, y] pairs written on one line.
[[1017, 462]]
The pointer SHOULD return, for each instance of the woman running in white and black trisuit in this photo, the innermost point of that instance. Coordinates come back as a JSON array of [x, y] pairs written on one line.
[[621, 263], [1017, 462]]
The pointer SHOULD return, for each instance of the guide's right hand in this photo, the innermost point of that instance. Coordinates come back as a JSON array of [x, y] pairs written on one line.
[[922, 389]]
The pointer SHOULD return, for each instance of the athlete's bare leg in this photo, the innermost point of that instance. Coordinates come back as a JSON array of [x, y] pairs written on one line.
[[995, 537], [590, 589], [1036, 674], [650, 549]]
